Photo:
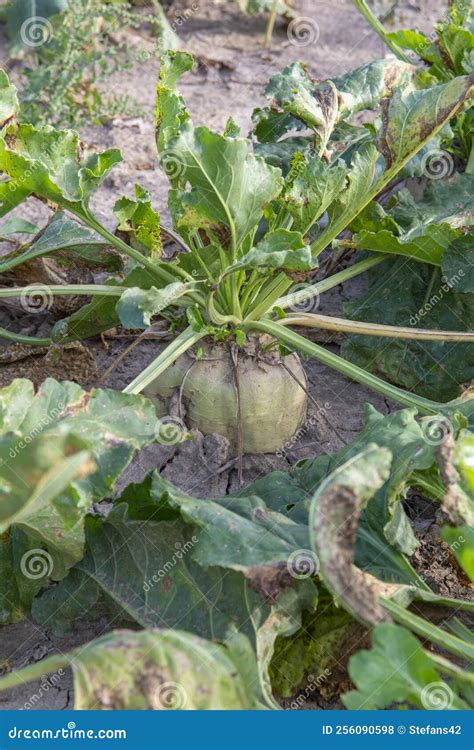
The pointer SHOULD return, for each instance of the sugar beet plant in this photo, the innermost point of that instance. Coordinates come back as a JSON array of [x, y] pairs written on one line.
[[248, 232]]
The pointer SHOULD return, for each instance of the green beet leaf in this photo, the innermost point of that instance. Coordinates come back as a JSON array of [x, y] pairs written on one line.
[[63, 235], [398, 670], [136, 306], [278, 249], [140, 221], [49, 163], [398, 296], [62, 449]]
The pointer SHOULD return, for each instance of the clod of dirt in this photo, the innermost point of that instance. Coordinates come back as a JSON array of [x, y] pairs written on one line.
[[198, 465], [435, 563]]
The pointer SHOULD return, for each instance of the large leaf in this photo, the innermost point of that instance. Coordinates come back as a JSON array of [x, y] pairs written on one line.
[[398, 296], [410, 119], [229, 186], [360, 181], [268, 521], [50, 164], [164, 558], [333, 520], [170, 107], [295, 97], [312, 190], [365, 86], [292, 91], [157, 670], [62, 449], [410, 116], [64, 234], [140, 565], [136, 306], [423, 229], [145, 568], [218, 183], [458, 266]]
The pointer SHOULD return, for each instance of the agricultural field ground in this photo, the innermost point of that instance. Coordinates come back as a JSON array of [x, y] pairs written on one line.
[[233, 68]]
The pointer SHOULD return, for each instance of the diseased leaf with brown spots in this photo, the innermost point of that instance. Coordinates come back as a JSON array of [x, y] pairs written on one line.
[[156, 670]]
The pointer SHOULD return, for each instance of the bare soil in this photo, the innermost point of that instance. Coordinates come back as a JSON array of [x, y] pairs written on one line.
[[233, 70]]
